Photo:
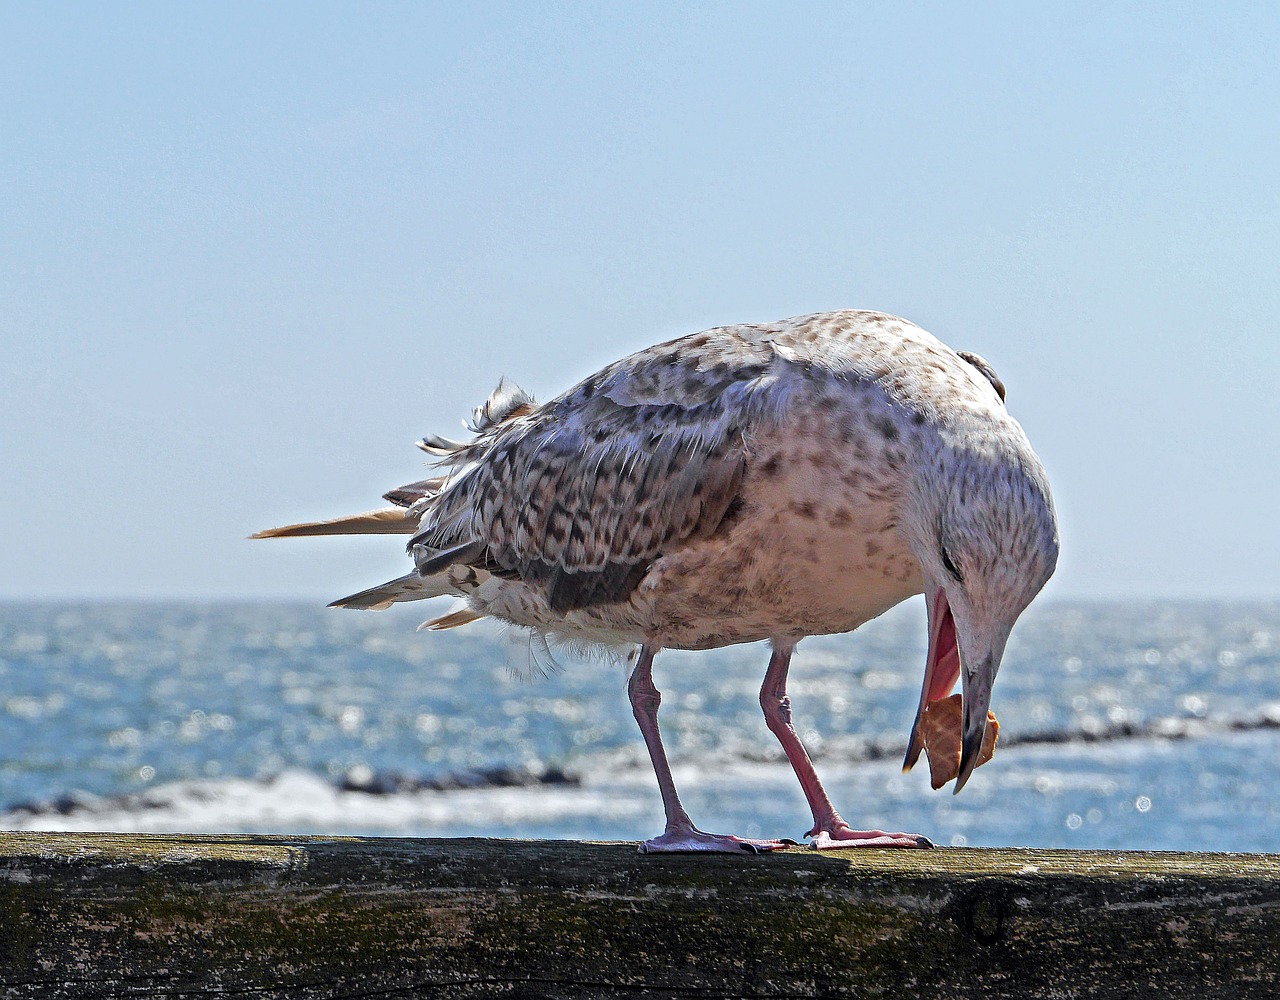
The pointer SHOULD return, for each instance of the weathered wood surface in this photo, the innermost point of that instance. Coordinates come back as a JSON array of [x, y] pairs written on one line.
[[103, 915]]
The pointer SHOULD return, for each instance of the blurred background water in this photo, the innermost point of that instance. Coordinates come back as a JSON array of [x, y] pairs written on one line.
[[1123, 725]]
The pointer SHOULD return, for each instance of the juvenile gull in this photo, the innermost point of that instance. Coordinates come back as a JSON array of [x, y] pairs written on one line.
[[752, 482]]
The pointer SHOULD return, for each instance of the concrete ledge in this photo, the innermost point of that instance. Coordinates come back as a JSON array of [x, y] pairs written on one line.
[[99, 915]]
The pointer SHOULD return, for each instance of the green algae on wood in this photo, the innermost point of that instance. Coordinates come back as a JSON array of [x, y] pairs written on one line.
[[96, 915]]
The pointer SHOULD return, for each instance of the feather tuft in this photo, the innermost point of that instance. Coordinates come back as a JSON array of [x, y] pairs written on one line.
[[506, 402]]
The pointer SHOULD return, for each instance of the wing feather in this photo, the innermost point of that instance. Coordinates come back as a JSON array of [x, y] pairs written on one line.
[[584, 493]]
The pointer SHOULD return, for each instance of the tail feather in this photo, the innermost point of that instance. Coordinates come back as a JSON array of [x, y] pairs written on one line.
[[459, 616], [432, 561], [385, 521], [409, 587], [411, 493], [453, 569]]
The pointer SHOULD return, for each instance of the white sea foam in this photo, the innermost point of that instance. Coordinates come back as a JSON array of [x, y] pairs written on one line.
[[1085, 795], [299, 802]]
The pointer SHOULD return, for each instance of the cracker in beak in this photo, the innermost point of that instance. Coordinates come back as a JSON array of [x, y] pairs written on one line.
[[940, 727]]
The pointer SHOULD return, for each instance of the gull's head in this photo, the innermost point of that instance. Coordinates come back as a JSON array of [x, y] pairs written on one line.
[[981, 523]]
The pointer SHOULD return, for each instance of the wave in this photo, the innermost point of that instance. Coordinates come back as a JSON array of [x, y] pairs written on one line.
[[358, 781], [610, 792], [301, 802]]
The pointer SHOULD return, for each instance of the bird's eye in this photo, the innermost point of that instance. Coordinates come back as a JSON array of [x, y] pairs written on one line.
[[949, 565]]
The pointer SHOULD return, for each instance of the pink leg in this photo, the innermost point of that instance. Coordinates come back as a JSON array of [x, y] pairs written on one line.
[[680, 834], [829, 829]]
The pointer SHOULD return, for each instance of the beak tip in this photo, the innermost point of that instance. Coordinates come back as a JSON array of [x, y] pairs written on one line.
[[909, 761], [914, 745], [971, 748]]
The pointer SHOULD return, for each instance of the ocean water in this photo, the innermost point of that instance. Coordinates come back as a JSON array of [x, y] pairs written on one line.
[[1123, 726]]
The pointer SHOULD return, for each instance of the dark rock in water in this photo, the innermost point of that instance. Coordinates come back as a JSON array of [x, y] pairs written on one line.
[[458, 780], [366, 780], [63, 805], [507, 777], [1266, 721], [74, 802]]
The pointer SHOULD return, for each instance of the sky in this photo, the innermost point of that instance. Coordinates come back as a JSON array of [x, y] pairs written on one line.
[[250, 252]]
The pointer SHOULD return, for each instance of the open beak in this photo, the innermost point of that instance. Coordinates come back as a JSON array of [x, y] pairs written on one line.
[[941, 668]]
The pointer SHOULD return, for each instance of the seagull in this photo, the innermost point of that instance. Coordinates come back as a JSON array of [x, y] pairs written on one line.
[[755, 482]]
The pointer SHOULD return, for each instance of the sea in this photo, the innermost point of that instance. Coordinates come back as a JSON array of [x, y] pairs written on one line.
[[1124, 725]]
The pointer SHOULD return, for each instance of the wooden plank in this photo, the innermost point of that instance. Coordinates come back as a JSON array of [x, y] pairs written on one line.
[[101, 915]]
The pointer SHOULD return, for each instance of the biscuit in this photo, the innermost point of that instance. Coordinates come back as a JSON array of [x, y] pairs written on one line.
[[940, 729]]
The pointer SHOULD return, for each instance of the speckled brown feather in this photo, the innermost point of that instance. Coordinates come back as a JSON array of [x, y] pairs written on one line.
[[583, 493]]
